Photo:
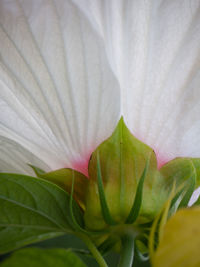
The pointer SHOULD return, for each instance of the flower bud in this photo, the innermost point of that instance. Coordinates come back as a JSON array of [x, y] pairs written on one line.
[[119, 164]]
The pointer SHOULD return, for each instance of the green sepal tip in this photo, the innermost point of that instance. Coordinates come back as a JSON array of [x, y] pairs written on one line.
[[104, 206], [135, 210], [38, 172]]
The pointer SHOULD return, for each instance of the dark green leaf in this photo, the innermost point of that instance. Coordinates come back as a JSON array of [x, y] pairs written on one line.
[[32, 209], [35, 257]]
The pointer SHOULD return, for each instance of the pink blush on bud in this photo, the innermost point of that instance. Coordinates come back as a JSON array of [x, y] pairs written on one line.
[[161, 160]]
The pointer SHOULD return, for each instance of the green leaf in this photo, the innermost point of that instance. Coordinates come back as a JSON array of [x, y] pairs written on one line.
[[35, 257], [179, 245], [32, 209]]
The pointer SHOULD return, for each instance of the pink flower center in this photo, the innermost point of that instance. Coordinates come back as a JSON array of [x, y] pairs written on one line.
[[82, 165], [161, 160]]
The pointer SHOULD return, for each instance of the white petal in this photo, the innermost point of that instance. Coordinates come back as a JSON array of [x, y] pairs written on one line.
[[15, 159], [58, 96], [154, 50]]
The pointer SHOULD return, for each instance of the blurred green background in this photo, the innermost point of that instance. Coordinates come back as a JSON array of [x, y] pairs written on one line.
[[70, 241]]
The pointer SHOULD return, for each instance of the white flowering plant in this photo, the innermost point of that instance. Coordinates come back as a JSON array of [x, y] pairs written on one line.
[[99, 130]]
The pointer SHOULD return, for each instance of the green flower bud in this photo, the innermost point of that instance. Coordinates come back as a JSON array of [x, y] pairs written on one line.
[[122, 160]]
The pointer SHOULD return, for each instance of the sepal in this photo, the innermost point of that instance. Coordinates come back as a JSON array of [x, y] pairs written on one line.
[[64, 178]]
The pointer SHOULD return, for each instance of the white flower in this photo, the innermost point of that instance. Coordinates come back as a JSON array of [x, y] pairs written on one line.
[[58, 96], [70, 69]]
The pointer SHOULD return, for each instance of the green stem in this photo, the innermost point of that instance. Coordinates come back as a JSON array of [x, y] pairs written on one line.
[[127, 254], [97, 255]]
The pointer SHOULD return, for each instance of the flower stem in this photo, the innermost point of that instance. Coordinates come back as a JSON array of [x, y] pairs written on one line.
[[127, 254], [97, 255]]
